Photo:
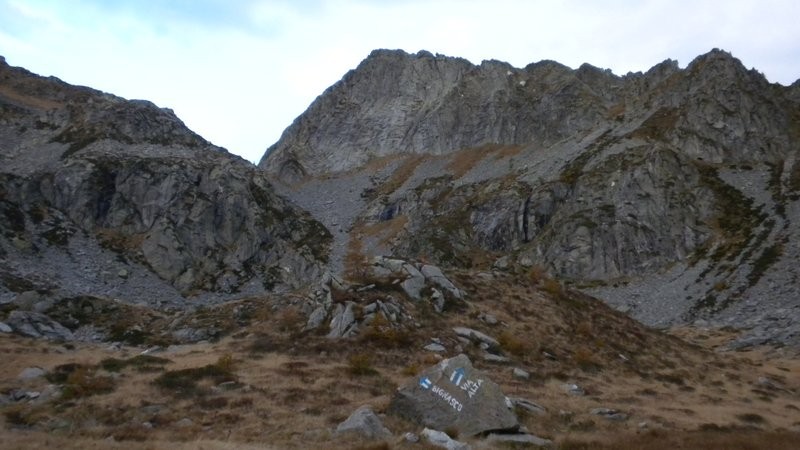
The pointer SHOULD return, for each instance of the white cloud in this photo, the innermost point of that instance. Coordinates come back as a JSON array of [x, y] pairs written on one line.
[[239, 72]]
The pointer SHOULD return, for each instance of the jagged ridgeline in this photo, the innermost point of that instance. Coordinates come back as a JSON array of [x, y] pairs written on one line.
[[105, 196], [672, 194]]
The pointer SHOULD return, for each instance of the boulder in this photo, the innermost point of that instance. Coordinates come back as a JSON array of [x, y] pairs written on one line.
[[343, 320], [477, 337], [441, 439], [527, 405], [453, 395], [316, 318], [38, 325], [436, 277], [364, 421], [414, 284], [30, 373]]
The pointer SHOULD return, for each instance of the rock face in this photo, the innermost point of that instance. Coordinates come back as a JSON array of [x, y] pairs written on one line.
[[454, 395], [674, 193], [101, 195]]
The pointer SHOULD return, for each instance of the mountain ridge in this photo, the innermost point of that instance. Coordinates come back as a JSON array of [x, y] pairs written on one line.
[[600, 179]]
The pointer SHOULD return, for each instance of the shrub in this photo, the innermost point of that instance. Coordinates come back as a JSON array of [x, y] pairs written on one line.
[[513, 344], [142, 363], [360, 364], [83, 382], [183, 383]]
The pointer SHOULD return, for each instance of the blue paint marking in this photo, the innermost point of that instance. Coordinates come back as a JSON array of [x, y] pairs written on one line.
[[457, 376], [425, 383]]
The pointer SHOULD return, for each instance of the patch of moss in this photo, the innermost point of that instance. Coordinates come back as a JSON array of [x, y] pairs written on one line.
[[184, 382], [768, 257], [736, 217], [142, 363]]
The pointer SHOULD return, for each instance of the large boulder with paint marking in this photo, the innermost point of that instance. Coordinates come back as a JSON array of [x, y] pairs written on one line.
[[453, 395]]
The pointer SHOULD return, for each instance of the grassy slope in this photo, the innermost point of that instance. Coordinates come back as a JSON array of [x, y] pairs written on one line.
[[292, 387]]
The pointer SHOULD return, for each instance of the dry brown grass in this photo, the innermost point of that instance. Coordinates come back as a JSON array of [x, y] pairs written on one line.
[[463, 161], [295, 391], [401, 174], [385, 231], [712, 439], [34, 102]]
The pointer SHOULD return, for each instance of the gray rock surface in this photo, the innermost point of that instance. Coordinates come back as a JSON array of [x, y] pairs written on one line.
[[112, 197], [29, 373], [670, 194], [441, 439], [527, 405], [520, 374], [454, 395], [5, 328], [477, 337], [38, 325], [364, 422], [342, 320]]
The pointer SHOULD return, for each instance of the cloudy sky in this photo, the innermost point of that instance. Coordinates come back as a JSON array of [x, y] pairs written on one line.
[[239, 71]]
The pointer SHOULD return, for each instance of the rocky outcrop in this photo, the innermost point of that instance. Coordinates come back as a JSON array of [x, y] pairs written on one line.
[[679, 181], [106, 196]]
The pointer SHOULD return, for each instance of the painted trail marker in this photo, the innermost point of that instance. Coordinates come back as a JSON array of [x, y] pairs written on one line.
[[457, 376], [425, 382]]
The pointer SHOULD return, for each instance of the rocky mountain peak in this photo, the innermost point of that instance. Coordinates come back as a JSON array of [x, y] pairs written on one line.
[[593, 177]]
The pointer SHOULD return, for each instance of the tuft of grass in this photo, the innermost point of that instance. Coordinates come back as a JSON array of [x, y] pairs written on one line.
[[83, 382], [142, 363], [360, 364], [511, 343], [752, 418], [382, 334], [185, 382]]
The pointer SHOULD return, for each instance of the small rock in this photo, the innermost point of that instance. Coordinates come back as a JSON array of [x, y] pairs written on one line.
[[527, 405], [411, 438], [496, 359], [522, 439], [441, 439], [438, 348], [5, 328], [477, 336], [184, 423], [316, 318], [123, 273], [438, 300], [366, 423], [151, 350], [574, 389], [501, 263], [520, 374], [489, 319], [31, 373], [608, 413]]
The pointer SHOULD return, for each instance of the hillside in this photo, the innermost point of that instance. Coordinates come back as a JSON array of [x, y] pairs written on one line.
[[671, 194], [102, 196]]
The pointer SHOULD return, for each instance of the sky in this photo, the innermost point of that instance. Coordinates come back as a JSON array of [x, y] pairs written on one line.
[[239, 71]]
